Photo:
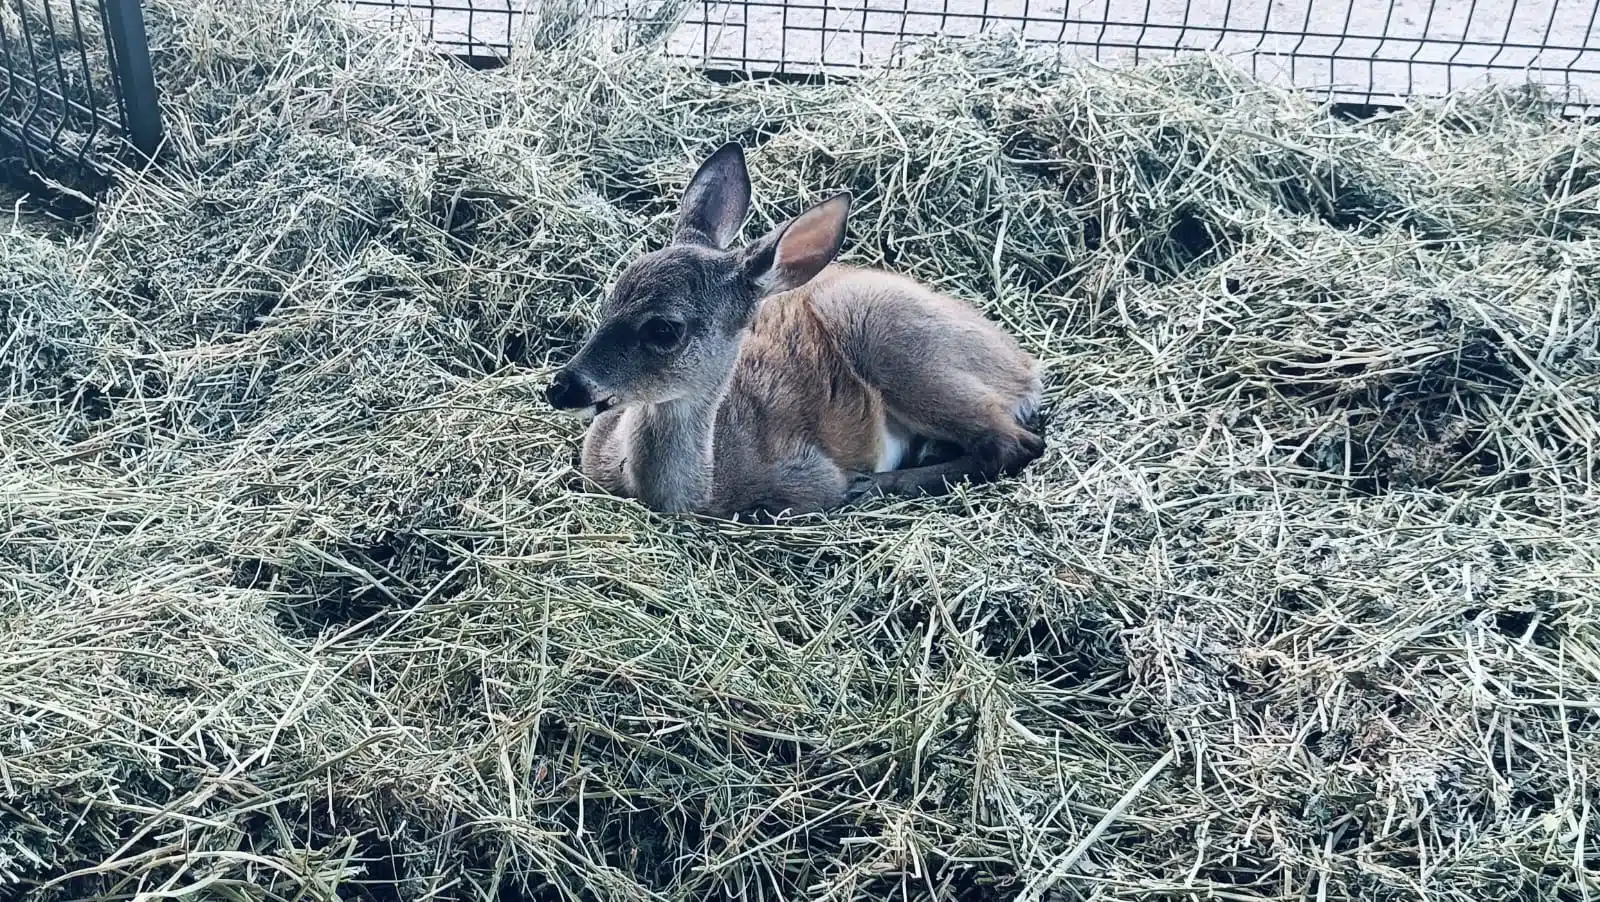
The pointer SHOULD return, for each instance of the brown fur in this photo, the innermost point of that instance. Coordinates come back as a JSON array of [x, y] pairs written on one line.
[[818, 394]]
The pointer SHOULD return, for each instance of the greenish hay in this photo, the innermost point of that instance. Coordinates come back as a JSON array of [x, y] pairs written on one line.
[[304, 600]]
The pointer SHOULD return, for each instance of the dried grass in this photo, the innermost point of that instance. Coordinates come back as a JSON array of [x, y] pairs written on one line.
[[302, 598]]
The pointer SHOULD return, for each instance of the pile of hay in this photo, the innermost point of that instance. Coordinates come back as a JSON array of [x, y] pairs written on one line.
[[300, 597]]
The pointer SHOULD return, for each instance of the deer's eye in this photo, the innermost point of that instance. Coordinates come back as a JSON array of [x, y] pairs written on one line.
[[661, 333]]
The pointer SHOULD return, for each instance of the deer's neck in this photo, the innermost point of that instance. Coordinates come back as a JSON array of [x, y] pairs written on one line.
[[670, 460]]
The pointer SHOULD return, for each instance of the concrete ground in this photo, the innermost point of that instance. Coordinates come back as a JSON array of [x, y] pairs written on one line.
[[1397, 47]]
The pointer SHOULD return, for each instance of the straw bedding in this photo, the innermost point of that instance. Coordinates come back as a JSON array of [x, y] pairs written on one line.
[[302, 598]]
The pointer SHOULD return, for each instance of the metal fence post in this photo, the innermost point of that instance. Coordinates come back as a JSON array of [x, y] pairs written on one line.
[[125, 32]]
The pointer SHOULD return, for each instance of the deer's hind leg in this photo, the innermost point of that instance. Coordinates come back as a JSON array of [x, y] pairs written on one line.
[[991, 442], [970, 394]]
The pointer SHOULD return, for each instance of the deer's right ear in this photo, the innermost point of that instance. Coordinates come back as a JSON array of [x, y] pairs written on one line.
[[716, 201], [794, 253]]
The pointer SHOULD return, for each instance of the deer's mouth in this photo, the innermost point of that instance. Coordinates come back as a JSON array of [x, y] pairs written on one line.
[[597, 408]]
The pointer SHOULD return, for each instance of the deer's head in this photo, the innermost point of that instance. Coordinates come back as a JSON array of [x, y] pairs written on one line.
[[672, 327]]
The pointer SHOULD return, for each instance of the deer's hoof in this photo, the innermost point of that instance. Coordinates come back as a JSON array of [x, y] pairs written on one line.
[[863, 487]]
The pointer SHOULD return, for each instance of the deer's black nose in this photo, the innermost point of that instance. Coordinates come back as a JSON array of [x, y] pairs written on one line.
[[567, 393]]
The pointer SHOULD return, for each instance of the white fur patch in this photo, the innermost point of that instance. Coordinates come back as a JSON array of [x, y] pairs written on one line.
[[1025, 409], [1029, 405], [893, 443]]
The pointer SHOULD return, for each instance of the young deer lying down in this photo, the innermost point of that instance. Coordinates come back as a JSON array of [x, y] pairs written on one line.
[[730, 381]]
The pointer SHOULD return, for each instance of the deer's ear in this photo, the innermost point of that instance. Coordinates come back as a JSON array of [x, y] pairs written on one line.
[[792, 254], [716, 201]]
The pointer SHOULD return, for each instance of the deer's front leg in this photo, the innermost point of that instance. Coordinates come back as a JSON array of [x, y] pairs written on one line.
[[604, 458]]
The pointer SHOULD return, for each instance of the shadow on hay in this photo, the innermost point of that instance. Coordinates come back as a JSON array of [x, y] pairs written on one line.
[[347, 584], [374, 854], [95, 403], [39, 207], [302, 846], [646, 813], [1429, 428]]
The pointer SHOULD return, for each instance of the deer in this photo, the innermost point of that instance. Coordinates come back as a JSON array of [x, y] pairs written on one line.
[[770, 380]]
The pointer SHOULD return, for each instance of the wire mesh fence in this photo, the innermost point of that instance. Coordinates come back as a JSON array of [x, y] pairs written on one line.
[[1356, 51], [76, 86]]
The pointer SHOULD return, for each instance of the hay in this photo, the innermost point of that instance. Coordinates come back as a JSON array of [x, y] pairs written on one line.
[[302, 598]]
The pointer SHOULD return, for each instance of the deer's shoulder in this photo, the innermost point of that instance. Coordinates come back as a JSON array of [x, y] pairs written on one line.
[[795, 386]]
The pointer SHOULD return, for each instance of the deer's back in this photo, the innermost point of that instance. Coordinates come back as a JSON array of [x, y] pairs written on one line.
[[890, 328]]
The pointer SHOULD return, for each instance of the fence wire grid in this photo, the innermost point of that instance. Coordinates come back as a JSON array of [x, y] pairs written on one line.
[[76, 82], [76, 86], [1355, 51]]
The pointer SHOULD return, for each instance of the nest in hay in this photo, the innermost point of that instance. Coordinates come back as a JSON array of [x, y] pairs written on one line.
[[300, 596]]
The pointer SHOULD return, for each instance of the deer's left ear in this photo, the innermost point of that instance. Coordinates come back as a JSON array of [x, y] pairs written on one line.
[[794, 253], [716, 201]]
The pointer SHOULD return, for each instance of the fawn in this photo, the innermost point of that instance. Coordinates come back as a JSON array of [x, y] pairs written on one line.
[[763, 380]]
